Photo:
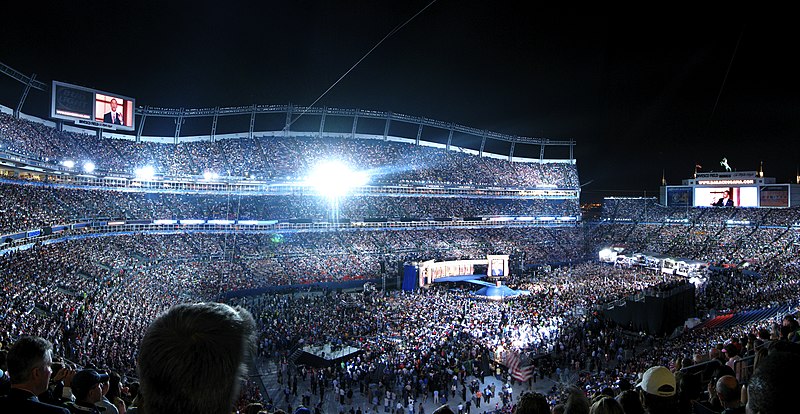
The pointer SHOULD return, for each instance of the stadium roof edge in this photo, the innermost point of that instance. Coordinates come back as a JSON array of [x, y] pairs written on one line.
[[292, 110]]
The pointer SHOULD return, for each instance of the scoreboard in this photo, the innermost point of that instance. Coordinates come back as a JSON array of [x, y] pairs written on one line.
[[731, 189], [91, 107]]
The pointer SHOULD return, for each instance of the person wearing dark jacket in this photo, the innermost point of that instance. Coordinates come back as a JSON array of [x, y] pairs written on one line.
[[29, 361]]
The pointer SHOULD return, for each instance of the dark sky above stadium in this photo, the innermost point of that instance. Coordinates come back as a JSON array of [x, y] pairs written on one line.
[[640, 91]]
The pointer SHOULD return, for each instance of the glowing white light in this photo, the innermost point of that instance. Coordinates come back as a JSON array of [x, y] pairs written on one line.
[[334, 179], [88, 167], [69, 164], [207, 175], [607, 255], [192, 222], [220, 222], [165, 222], [145, 173]]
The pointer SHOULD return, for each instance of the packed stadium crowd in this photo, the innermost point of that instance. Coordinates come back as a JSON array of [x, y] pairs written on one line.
[[27, 207], [280, 159], [418, 345], [93, 294], [648, 210], [114, 317], [758, 246], [73, 284], [760, 239], [601, 356]]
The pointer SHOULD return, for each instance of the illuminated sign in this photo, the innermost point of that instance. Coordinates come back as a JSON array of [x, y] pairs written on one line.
[[548, 193], [192, 222], [734, 174], [725, 182]]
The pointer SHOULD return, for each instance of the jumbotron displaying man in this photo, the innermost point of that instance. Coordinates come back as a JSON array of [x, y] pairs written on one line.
[[113, 117]]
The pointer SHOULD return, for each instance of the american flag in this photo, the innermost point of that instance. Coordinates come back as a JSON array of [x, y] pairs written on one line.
[[520, 371]]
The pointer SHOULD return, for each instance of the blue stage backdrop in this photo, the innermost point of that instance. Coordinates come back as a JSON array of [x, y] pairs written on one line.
[[409, 277]]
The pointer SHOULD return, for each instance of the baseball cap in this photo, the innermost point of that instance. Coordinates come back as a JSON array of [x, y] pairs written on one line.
[[86, 379], [658, 381]]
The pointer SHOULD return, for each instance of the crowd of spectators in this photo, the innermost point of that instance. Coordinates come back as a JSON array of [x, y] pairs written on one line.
[[282, 159], [93, 298], [648, 210], [305, 257], [437, 333], [52, 287], [751, 238], [28, 207], [441, 334]]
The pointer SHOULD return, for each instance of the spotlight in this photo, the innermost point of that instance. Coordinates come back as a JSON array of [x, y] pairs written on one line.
[[334, 179], [145, 173]]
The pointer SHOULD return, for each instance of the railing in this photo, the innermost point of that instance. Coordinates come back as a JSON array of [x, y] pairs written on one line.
[[74, 231], [232, 186]]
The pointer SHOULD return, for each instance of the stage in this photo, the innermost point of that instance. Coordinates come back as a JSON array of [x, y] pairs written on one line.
[[325, 355], [489, 290]]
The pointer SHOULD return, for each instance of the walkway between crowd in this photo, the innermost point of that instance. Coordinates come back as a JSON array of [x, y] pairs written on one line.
[[284, 397]]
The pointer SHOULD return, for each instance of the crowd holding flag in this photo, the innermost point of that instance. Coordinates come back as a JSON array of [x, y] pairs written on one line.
[[520, 369]]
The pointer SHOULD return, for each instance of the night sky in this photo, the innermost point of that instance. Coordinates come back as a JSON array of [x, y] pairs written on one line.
[[640, 91]]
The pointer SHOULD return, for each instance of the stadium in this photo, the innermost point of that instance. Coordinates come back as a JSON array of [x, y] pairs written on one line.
[[391, 262]]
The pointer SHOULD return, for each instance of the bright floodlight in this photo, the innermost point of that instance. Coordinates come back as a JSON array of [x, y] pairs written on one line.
[[88, 167], [208, 175], [69, 164], [607, 255], [334, 179], [145, 173]]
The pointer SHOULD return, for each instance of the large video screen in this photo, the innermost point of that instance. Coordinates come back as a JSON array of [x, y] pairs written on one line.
[[726, 197], [91, 107], [775, 196], [679, 196]]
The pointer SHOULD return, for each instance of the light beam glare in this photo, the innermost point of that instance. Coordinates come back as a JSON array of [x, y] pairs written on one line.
[[334, 180]]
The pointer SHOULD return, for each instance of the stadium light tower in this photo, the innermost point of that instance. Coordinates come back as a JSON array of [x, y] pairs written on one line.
[[69, 164]]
